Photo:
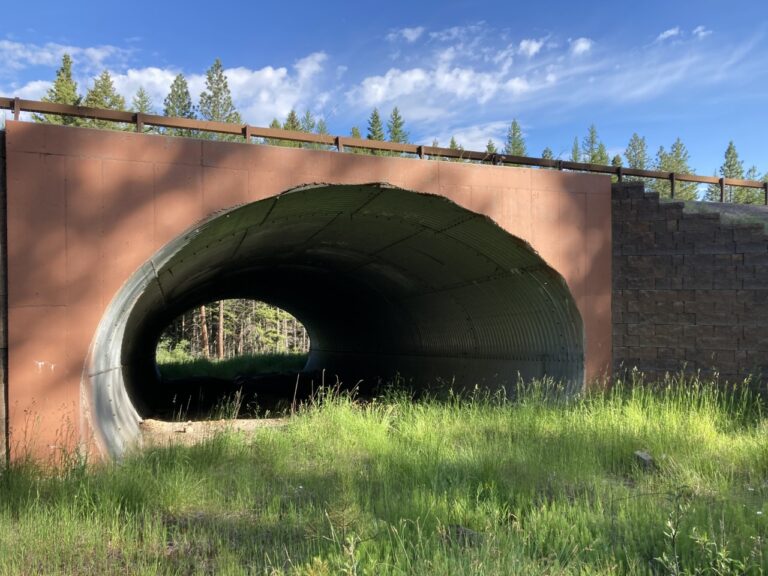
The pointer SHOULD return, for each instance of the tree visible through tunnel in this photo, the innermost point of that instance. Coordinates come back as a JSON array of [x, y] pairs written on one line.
[[239, 353]]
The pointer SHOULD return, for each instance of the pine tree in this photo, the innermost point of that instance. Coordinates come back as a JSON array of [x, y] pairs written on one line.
[[375, 130], [732, 167], [292, 122], [178, 104], [515, 143], [453, 145], [322, 127], [575, 151], [593, 150], [355, 133], [142, 103], [676, 160], [103, 95], [636, 153], [547, 154], [63, 91], [490, 147], [307, 123], [396, 127], [216, 101], [375, 127], [602, 155], [744, 195], [275, 124]]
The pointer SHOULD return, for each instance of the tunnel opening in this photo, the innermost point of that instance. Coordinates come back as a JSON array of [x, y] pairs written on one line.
[[391, 285], [237, 357]]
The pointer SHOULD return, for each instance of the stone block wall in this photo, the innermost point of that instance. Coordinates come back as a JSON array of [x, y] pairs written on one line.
[[689, 290]]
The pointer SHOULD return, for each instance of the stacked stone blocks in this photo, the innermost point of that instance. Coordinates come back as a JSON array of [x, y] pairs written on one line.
[[690, 292]]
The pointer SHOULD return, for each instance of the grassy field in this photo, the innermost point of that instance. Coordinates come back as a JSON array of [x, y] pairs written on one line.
[[174, 368], [480, 485]]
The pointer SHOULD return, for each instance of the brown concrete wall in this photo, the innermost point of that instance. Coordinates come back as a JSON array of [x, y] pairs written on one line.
[[3, 311], [86, 208], [690, 291]]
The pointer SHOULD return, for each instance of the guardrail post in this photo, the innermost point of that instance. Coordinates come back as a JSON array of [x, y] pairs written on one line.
[[672, 185], [16, 108], [765, 192], [560, 165], [138, 118], [247, 133], [339, 144], [722, 189], [619, 174], [420, 152]]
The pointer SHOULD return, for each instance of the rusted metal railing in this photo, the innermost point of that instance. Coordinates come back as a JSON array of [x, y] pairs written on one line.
[[248, 132]]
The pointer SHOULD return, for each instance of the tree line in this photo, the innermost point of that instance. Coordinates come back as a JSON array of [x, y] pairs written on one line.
[[215, 104]]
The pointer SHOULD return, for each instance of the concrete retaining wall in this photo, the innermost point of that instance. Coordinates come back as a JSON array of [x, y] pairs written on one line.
[[3, 309], [689, 290]]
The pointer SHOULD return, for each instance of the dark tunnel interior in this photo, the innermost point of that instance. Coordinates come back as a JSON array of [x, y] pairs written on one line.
[[386, 281]]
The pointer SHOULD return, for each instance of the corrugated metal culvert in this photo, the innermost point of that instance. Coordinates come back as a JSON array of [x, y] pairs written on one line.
[[385, 280]]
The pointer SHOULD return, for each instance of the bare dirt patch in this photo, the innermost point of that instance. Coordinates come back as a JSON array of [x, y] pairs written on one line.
[[162, 433]]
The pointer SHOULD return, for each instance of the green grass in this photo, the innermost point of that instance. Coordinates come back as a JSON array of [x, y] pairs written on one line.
[[228, 369], [546, 484]]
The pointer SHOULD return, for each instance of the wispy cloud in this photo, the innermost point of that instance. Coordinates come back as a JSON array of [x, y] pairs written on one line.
[[670, 33], [530, 47], [449, 83], [473, 136], [410, 35], [581, 46], [701, 32], [19, 55]]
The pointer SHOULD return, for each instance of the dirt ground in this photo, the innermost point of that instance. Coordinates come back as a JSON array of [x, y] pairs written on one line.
[[162, 433]]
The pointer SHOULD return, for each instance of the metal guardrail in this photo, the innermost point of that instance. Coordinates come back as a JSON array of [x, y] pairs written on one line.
[[140, 120]]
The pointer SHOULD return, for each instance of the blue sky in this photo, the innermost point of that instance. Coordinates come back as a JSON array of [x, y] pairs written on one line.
[[697, 70]]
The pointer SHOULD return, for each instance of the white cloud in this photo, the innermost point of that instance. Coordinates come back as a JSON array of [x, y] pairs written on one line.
[[449, 34], [260, 95], [472, 137], [671, 33], [517, 86], [18, 55], [33, 90], [396, 83], [530, 47], [410, 35], [156, 81], [311, 65], [581, 46], [701, 32]]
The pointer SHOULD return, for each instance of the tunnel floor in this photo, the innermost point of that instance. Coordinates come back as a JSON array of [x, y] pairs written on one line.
[[262, 395]]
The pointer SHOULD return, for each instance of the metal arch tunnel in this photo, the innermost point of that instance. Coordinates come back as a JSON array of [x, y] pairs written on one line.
[[386, 281], [472, 274]]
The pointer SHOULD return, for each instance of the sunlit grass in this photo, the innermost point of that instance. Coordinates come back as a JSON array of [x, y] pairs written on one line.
[[229, 368], [545, 484]]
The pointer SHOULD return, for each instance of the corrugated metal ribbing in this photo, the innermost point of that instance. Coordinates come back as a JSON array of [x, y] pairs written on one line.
[[385, 281]]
